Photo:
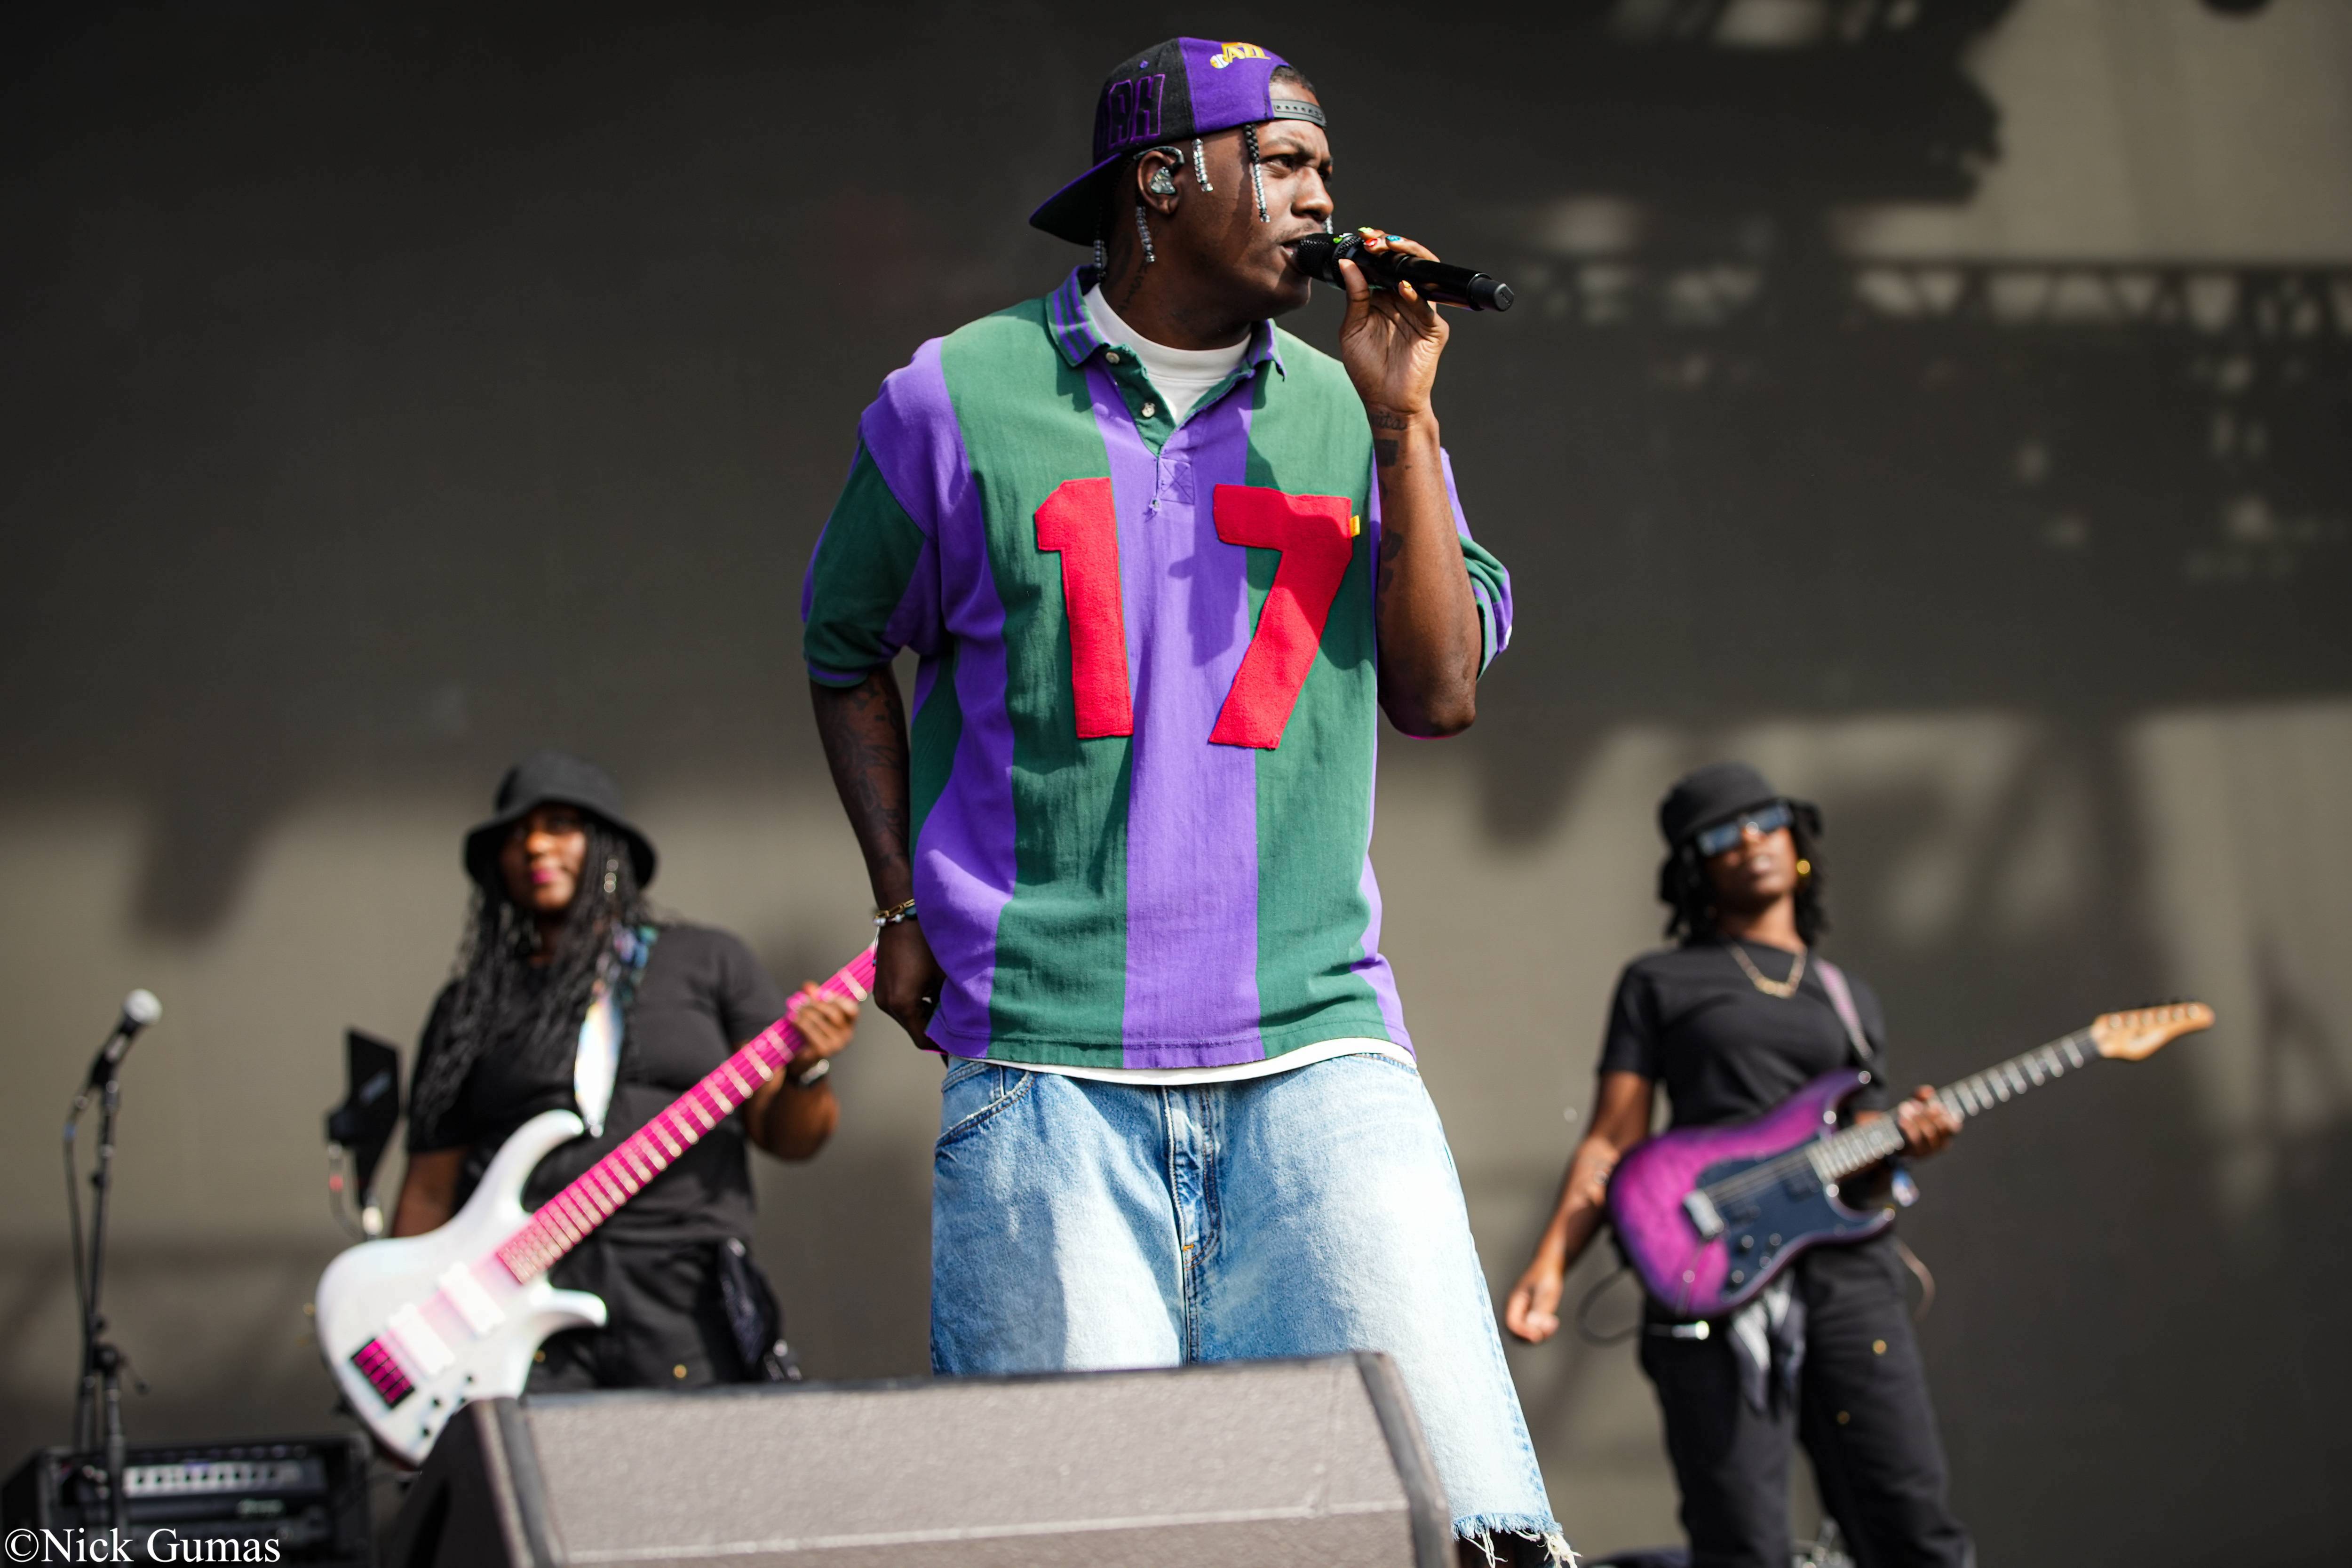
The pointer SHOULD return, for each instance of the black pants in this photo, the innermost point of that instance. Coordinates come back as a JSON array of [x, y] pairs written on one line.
[[1861, 1412], [665, 1325]]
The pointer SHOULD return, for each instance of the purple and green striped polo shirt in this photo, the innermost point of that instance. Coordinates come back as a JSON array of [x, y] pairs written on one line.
[[1147, 710]]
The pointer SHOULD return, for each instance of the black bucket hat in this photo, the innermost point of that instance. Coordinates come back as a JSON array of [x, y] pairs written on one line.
[[1715, 791], [552, 778]]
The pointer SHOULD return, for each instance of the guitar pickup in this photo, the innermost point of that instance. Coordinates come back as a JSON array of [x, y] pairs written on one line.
[[1702, 1211], [383, 1373]]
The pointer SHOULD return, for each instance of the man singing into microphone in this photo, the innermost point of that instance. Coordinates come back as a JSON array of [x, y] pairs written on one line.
[[1164, 565]]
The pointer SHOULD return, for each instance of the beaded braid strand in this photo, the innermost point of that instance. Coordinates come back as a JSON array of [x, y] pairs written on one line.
[[1257, 171], [1143, 232], [1200, 167]]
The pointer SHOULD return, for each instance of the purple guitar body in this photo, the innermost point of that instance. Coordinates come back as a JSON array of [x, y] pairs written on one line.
[[1708, 1215]]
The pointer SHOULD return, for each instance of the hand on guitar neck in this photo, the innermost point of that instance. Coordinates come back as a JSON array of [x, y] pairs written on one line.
[[1928, 1124]]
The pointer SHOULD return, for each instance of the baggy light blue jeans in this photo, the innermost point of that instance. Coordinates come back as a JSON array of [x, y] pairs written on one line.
[[1079, 1224]]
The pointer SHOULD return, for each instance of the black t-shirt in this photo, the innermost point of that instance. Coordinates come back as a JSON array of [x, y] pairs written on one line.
[[702, 996], [1690, 1020]]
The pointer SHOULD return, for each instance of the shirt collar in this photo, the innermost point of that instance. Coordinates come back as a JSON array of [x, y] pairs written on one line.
[[1073, 330]]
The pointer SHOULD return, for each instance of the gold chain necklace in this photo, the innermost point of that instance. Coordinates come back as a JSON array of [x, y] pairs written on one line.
[[1783, 989]]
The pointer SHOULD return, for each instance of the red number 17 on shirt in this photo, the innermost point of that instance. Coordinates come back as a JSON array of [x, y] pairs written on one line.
[[1317, 537]]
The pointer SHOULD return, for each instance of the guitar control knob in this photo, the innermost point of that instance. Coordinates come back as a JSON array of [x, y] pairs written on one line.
[[1737, 1277], [1746, 1243], [1774, 1240]]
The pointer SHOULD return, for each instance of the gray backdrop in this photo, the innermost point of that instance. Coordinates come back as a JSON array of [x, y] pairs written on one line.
[[1940, 402]]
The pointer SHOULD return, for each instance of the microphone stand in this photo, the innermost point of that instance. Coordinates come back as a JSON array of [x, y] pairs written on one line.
[[97, 1412]]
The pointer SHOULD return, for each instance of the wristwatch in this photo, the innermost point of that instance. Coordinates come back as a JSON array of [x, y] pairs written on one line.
[[817, 1069]]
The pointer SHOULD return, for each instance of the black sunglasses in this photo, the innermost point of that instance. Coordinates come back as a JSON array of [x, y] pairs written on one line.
[[1716, 837]]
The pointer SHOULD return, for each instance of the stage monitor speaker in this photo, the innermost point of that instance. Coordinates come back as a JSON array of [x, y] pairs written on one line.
[[1279, 1462]]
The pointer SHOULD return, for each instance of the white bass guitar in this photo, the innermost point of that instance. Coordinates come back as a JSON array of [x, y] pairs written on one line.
[[412, 1328]]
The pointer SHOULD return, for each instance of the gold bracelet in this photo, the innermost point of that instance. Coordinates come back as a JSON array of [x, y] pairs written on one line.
[[895, 913]]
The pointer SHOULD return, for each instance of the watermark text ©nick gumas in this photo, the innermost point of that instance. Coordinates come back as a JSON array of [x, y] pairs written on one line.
[[163, 1545]]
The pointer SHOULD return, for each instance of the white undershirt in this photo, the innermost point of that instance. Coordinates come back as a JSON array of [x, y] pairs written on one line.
[[1157, 1077], [1183, 376]]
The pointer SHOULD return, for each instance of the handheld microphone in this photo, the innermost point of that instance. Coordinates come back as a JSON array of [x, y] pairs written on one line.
[[139, 1010], [1439, 282]]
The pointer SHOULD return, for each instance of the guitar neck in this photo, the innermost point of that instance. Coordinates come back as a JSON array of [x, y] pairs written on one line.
[[1871, 1141], [567, 1218]]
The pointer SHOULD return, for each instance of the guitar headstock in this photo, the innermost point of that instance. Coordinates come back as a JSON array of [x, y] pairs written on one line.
[[2144, 1031]]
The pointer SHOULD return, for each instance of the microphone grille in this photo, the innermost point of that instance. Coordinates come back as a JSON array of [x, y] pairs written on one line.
[[141, 1008], [1318, 256]]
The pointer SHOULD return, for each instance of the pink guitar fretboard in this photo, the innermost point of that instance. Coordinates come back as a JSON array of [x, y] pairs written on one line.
[[589, 1202]]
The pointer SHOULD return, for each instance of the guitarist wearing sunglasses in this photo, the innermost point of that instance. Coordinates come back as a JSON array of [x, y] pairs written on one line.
[[1731, 1022]]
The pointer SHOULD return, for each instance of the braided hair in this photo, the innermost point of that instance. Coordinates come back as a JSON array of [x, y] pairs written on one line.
[[496, 994], [1688, 892]]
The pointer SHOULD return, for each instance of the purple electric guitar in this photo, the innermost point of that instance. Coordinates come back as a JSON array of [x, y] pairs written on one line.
[[1708, 1215]]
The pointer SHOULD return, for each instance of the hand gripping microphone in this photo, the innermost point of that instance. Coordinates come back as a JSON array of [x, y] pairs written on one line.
[[1318, 256], [139, 1010]]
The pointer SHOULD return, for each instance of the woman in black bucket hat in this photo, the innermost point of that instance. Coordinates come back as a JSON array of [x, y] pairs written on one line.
[[571, 992]]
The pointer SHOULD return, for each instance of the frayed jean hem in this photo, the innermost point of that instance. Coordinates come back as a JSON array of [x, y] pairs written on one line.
[[1480, 1530]]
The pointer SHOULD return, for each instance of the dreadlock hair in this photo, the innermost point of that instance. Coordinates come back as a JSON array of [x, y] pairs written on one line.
[[496, 996], [1688, 892]]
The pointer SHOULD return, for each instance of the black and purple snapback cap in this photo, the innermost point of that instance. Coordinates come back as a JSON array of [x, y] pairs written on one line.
[[1170, 93]]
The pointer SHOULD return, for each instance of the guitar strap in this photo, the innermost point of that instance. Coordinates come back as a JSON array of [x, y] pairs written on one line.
[[1842, 998], [596, 1063]]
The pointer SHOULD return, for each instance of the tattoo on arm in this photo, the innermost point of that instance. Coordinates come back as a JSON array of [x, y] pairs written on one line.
[[864, 729], [1392, 546]]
